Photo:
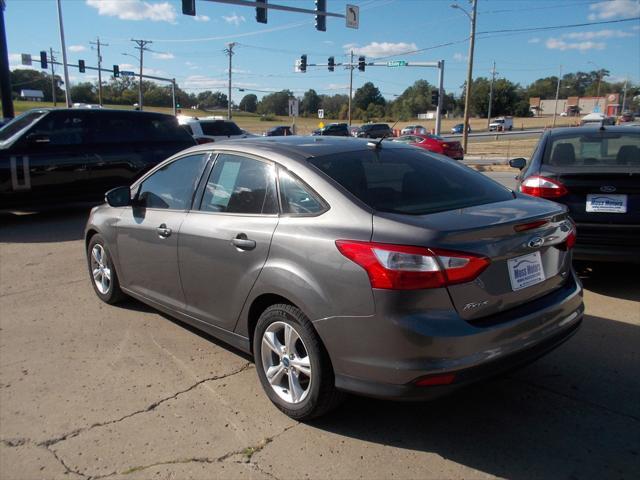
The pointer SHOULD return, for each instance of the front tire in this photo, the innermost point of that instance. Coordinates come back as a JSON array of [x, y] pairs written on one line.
[[292, 364], [104, 278]]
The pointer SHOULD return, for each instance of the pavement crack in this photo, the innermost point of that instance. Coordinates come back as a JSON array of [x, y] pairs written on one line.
[[66, 467], [53, 441]]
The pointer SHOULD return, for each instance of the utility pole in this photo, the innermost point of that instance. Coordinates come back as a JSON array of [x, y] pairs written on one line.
[[467, 97], [5, 73], [555, 109], [67, 87], [624, 96], [98, 45], [141, 45], [350, 84], [53, 78], [229, 51], [440, 96], [493, 79]]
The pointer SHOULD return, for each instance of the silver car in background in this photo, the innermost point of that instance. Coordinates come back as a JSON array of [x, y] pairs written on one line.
[[342, 265]]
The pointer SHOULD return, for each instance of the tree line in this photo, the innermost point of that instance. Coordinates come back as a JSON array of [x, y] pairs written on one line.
[[368, 103]]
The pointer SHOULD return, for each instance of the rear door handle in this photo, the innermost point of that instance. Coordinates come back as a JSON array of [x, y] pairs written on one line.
[[163, 231], [243, 243]]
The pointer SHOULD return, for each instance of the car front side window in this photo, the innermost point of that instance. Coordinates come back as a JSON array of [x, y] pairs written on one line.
[[172, 186]]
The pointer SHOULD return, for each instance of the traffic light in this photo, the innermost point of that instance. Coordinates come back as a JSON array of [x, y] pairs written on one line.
[[189, 7], [81, 66], [435, 96], [116, 71], [303, 63], [321, 20], [43, 59], [332, 64], [261, 12], [361, 64]]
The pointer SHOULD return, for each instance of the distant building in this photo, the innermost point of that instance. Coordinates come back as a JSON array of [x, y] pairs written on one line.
[[32, 95], [608, 105]]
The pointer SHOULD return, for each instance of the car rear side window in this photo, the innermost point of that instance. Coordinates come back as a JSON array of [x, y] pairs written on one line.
[[409, 181], [296, 198], [593, 149], [20, 122], [173, 185], [218, 128], [63, 128], [240, 185]]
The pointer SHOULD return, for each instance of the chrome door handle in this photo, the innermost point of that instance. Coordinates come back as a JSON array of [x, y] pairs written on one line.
[[163, 231], [243, 243]]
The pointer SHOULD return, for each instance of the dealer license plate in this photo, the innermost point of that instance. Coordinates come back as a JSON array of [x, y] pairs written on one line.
[[606, 203], [525, 271]]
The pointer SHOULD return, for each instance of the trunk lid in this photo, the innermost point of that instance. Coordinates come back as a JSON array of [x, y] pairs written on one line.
[[489, 230]]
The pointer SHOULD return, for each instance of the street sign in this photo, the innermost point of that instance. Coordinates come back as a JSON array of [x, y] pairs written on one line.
[[321, 113], [26, 59], [397, 63], [293, 107], [127, 73], [297, 68], [352, 16]]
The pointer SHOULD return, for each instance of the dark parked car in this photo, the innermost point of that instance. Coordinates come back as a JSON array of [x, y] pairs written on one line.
[[374, 130], [596, 173], [334, 130], [281, 131], [342, 265], [55, 156]]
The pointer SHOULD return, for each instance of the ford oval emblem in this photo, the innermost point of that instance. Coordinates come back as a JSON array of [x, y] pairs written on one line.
[[535, 242], [608, 189]]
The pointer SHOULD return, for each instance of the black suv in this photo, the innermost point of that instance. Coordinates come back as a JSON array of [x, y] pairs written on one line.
[[374, 130], [281, 131], [334, 130], [56, 156]]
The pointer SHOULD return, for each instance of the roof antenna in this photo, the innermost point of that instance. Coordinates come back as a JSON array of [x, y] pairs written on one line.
[[377, 144]]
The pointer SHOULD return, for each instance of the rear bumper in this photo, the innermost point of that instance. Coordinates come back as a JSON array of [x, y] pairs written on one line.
[[607, 243], [383, 355]]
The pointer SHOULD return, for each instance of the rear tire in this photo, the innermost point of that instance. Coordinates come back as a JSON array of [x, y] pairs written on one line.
[[296, 375], [102, 272]]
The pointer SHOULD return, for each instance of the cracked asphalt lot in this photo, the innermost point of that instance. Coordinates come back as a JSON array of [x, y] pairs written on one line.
[[93, 391]]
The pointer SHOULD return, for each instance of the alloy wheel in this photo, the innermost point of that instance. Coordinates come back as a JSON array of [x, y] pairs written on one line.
[[100, 269]]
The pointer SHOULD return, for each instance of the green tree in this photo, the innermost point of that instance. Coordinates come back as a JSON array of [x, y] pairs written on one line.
[[414, 100], [544, 88], [209, 99], [22, 79], [85, 92], [249, 103], [334, 104], [366, 94], [310, 102], [275, 103]]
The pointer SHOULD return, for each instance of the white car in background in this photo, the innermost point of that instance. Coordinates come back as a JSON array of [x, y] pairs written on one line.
[[211, 129]]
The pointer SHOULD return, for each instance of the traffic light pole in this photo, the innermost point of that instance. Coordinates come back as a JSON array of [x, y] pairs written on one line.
[[53, 79], [350, 85], [440, 96]]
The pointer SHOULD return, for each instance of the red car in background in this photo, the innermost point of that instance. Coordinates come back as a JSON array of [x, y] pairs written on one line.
[[435, 144]]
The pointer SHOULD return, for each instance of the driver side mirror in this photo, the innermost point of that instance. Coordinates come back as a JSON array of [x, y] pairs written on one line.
[[518, 163], [118, 197]]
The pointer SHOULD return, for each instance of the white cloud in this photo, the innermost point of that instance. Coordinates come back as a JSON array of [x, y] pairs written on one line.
[[234, 19], [459, 57], [380, 49], [163, 55], [559, 44], [135, 10], [609, 9], [597, 34], [337, 86], [77, 48], [534, 40], [202, 82], [201, 18]]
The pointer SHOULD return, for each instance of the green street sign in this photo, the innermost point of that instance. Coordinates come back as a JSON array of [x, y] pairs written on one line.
[[397, 63]]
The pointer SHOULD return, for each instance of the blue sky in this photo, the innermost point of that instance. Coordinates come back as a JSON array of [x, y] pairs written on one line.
[[191, 49]]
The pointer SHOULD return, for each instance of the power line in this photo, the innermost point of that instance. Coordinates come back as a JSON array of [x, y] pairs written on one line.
[[558, 27]]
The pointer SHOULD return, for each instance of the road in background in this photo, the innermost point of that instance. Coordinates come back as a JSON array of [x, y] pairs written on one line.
[[508, 179], [89, 390]]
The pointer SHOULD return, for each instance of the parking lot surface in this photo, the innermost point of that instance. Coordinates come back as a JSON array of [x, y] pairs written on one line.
[[93, 391]]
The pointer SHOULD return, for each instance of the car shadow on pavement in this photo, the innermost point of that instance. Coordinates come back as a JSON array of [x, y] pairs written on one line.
[[573, 414], [47, 226], [619, 280]]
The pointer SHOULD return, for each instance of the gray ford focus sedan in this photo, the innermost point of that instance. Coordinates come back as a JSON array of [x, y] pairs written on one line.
[[342, 265]]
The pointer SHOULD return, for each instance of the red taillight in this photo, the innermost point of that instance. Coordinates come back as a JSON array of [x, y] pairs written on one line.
[[529, 226], [543, 187], [571, 239], [433, 380], [403, 267], [201, 140]]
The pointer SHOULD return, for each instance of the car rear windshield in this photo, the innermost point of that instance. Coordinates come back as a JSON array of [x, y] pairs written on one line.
[[593, 149], [20, 122], [218, 128], [408, 181]]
